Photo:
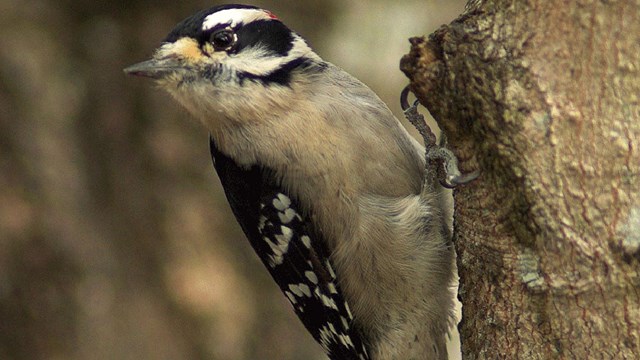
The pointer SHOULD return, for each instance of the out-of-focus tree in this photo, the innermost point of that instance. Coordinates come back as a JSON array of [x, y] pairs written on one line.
[[115, 239]]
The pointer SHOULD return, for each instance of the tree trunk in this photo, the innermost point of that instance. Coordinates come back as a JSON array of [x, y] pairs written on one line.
[[543, 97]]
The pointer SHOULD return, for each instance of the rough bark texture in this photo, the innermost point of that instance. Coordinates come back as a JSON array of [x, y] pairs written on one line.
[[543, 97]]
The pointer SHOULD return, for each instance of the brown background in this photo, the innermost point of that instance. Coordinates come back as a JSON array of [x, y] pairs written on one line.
[[115, 239]]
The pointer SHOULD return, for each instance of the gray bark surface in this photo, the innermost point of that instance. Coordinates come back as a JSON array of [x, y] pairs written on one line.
[[543, 98]]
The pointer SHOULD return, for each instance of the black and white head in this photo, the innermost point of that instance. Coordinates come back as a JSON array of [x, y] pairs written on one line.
[[225, 50]]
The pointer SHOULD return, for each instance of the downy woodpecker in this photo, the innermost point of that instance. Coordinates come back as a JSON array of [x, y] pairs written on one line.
[[329, 188]]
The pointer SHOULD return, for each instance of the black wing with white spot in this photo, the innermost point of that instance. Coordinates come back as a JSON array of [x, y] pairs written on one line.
[[294, 255]]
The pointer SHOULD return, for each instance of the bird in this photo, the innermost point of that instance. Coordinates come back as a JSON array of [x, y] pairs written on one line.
[[340, 203]]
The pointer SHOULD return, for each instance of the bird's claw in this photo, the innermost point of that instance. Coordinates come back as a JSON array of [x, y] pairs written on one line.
[[404, 102], [454, 181], [416, 119], [450, 176]]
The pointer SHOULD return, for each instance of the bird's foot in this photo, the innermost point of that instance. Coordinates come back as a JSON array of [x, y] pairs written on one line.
[[448, 173]]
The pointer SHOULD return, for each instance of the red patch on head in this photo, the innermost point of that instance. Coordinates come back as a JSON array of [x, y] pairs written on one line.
[[271, 15]]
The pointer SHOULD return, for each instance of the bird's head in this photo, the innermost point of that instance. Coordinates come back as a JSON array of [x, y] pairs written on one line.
[[219, 56]]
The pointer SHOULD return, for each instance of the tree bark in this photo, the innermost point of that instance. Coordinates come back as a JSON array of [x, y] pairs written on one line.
[[543, 97]]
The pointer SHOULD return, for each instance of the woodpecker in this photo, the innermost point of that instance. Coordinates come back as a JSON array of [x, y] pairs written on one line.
[[334, 195]]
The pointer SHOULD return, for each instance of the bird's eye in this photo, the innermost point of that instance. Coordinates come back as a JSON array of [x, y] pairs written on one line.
[[223, 39]]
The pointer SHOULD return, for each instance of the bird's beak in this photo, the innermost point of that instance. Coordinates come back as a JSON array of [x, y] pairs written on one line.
[[154, 68]]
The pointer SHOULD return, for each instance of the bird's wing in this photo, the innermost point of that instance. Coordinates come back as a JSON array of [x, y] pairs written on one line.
[[295, 255]]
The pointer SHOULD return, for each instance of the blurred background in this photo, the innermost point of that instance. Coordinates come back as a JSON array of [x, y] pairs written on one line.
[[116, 241]]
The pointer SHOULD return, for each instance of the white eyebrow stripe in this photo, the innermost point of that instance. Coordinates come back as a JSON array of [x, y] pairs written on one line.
[[258, 61], [232, 17]]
